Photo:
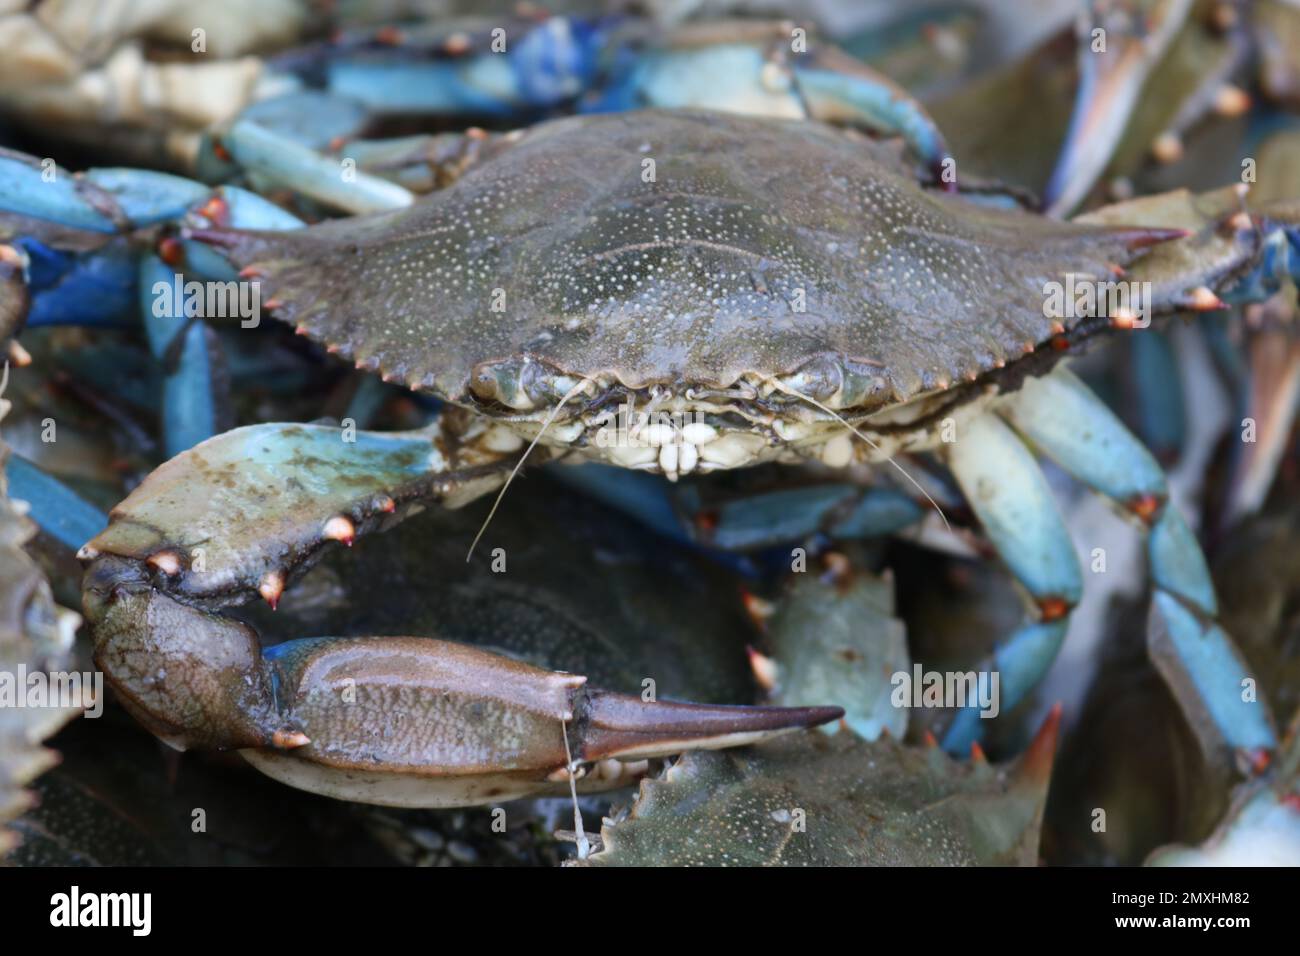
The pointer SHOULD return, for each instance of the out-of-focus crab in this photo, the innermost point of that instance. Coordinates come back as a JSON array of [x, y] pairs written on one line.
[[737, 315], [36, 635]]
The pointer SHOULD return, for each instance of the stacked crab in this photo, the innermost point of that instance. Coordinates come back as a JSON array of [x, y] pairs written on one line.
[[711, 311]]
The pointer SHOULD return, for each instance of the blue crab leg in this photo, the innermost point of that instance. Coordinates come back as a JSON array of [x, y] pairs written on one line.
[[247, 509], [283, 162], [61, 512], [112, 283], [543, 66], [190, 392], [417, 73], [1008, 493], [844, 511], [329, 161], [758, 73], [144, 197], [1068, 423], [1152, 368], [838, 88], [747, 522], [62, 284], [107, 200], [27, 189]]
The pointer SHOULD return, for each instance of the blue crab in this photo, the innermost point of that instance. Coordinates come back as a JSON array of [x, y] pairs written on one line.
[[754, 320]]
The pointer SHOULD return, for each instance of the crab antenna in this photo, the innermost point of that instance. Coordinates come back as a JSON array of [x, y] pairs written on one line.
[[580, 836], [520, 463], [781, 387]]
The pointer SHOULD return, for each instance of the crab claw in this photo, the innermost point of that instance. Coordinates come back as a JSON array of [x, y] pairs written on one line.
[[398, 721], [1110, 87], [413, 721], [237, 516], [628, 728], [395, 721]]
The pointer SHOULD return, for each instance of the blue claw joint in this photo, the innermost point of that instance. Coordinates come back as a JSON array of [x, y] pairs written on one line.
[[1279, 258]]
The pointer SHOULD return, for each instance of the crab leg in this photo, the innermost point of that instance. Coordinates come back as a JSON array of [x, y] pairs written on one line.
[[1008, 493], [238, 514], [286, 163], [755, 69], [408, 721], [398, 721], [1160, 408], [75, 235], [1196, 656], [61, 513]]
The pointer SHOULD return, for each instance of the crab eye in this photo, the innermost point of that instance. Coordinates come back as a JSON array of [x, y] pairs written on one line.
[[834, 383], [861, 382], [502, 382], [820, 379]]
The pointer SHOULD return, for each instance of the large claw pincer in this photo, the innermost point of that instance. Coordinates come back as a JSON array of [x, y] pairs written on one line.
[[401, 721]]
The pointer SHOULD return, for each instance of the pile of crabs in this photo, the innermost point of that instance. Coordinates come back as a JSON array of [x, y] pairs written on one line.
[[621, 435]]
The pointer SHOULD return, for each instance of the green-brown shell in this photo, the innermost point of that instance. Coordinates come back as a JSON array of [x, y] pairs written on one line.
[[756, 245]]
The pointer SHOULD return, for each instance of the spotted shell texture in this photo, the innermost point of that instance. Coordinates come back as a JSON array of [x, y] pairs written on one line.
[[747, 246]]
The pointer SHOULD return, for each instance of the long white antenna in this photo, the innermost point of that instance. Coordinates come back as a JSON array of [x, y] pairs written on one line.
[[580, 835], [781, 387], [520, 463]]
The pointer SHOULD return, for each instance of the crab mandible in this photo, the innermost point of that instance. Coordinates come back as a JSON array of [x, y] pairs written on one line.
[[776, 289]]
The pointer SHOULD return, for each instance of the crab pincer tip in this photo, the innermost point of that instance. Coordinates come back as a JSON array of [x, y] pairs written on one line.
[[1256, 761], [216, 209], [625, 726], [1168, 148]]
